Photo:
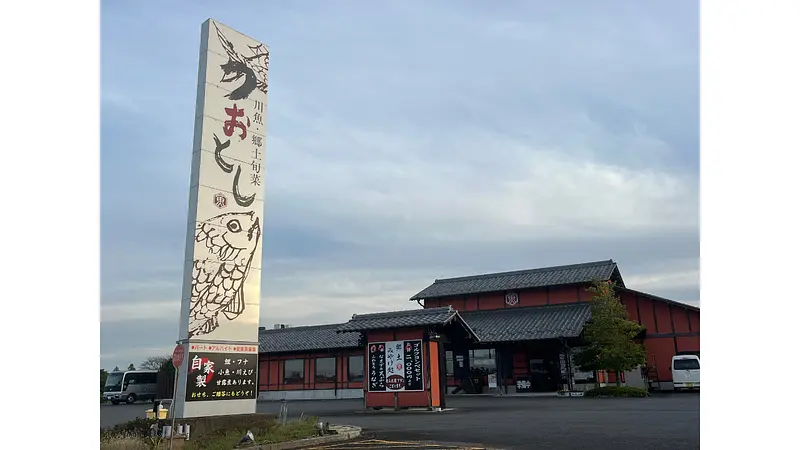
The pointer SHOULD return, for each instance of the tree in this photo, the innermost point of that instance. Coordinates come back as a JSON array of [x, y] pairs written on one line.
[[166, 373], [155, 362], [116, 369], [131, 367], [609, 334]]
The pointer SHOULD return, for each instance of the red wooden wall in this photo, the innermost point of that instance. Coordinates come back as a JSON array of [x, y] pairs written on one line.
[[531, 297], [270, 371], [670, 328]]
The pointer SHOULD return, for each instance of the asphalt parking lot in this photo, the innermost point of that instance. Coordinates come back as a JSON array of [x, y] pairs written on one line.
[[667, 421], [384, 444]]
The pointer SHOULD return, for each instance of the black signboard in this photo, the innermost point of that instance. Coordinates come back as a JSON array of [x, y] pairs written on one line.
[[523, 383], [413, 365], [395, 366], [222, 376], [377, 366]]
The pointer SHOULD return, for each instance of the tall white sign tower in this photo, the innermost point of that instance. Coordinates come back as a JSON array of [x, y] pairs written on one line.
[[222, 267]]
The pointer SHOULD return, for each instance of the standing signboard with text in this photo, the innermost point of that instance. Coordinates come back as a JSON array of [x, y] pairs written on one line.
[[395, 366]]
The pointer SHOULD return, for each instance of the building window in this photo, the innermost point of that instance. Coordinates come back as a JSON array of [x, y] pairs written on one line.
[[483, 361], [355, 368], [293, 372], [325, 370], [448, 363]]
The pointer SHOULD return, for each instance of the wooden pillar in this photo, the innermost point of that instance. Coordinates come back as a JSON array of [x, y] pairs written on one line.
[[434, 378]]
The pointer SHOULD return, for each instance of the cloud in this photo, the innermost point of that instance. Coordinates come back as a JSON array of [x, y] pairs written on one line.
[[141, 311], [490, 138], [544, 193], [134, 355], [654, 282]]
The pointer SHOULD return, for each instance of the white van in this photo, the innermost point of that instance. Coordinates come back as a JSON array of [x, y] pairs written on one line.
[[686, 372]]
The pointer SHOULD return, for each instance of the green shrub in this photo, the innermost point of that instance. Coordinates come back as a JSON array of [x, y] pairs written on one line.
[[616, 391]]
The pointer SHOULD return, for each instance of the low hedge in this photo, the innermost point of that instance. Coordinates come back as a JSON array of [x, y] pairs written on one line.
[[616, 391]]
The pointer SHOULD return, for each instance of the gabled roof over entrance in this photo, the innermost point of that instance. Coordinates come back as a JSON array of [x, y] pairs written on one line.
[[523, 279], [529, 324], [414, 318]]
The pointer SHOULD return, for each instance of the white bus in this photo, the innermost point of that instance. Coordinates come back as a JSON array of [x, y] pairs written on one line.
[[130, 386]]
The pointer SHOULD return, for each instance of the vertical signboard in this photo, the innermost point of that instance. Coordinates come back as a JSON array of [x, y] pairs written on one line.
[[377, 366], [395, 366], [222, 269]]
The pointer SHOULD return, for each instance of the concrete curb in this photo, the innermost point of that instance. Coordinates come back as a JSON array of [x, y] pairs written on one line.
[[402, 411], [344, 433], [522, 395]]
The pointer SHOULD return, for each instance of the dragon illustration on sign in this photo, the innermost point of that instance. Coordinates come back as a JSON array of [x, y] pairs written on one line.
[[253, 68], [218, 283]]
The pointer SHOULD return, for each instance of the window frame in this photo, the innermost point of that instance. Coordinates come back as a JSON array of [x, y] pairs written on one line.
[[322, 378], [294, 381], [130, 378], [681, 361], [148, 378], [449, 363], [362, 369], [487, 358]]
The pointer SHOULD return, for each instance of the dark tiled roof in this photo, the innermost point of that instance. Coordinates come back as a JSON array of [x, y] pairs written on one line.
[[301, 339], [529, 324], [401, 319], [522, 279], [502, 325]]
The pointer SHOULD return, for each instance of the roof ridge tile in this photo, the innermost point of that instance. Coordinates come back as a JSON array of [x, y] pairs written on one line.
[[520, 279]]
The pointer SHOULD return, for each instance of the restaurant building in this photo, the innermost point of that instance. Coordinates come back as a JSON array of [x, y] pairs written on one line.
[[506, 333]]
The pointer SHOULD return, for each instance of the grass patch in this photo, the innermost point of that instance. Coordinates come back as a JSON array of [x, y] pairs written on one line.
[[300, 429], [616, 391], [134, 435], [136, 428], [274, 433], [123, 442]]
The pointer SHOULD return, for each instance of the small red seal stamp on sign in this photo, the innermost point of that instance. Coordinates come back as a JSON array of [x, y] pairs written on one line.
[[220, 201]]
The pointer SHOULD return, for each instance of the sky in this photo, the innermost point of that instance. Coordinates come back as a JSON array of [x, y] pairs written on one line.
[[407, 141]]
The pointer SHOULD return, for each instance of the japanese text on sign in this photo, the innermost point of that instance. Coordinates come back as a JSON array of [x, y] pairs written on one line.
[[395, 366], [236, 128], [523, 384], [222, 376], [223, 348]]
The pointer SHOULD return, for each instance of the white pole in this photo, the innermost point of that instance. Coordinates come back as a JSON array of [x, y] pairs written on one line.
[[172, 406]]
